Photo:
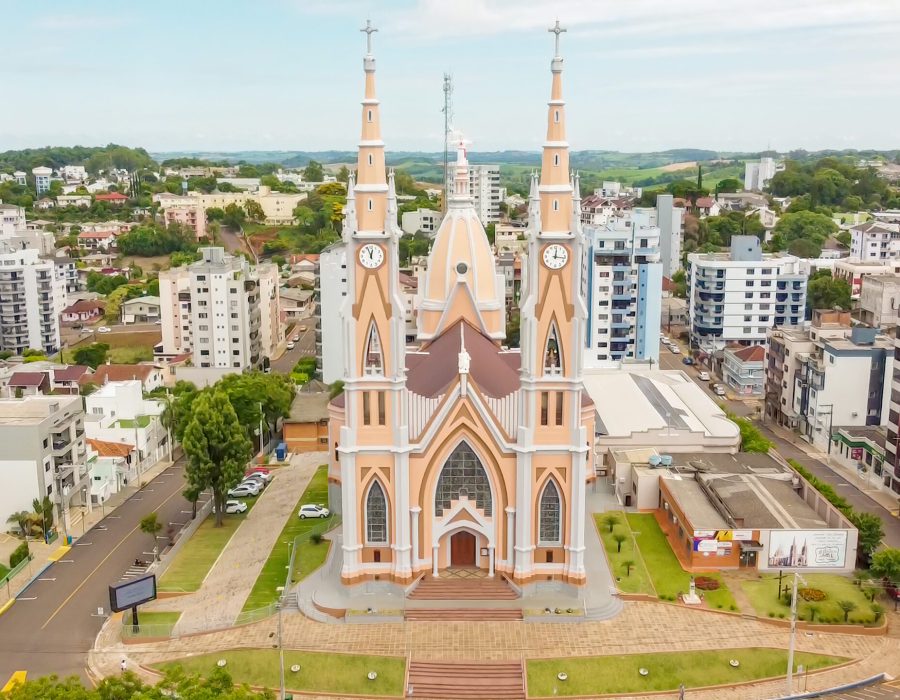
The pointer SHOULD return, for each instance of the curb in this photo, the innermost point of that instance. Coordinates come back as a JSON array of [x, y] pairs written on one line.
[[7, 605]]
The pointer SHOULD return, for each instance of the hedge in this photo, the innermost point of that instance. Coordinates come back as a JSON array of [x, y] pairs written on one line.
[[19, 555], [824, 488]]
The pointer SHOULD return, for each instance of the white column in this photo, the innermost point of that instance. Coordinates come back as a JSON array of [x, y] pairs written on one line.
[[414, 530], [402, 560], [524, 545], [491, 561], [577, 519], [434, 561], [510, 536], [350, 510]]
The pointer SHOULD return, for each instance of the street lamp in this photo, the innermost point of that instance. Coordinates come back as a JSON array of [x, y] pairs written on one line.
[[790, 662]]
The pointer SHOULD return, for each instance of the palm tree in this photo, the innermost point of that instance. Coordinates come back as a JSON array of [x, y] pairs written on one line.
[[619, 538], [629, 565], [813, 609], [611, 521], [43, 515], [22, 519], [847, 607]]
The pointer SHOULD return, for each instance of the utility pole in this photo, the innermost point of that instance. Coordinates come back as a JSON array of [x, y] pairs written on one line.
[[448, 95], [790, 663]]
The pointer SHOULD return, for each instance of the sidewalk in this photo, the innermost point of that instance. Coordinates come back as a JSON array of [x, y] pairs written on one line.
[[45, 554]]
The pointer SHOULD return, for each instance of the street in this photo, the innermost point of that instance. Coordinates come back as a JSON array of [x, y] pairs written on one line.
[[846, 488], [53, 623], [304, 347]]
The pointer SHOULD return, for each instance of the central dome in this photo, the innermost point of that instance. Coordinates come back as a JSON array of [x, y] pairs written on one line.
[[462, 280]]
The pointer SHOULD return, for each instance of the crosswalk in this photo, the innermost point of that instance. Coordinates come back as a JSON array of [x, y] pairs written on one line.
[[133, 572]]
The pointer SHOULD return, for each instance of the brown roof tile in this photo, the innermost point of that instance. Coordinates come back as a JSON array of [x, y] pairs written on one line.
[[110, 449], [25, 379], [118, 373]]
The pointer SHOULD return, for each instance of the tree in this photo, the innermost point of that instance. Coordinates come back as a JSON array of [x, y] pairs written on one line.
[[679, 278], [343, 174], [805, 248], [812, 609], [313, 172], [871, 530], [92, 355], [254, 210], [886, 564], [116, 297], [825, 292], [729, 184], [628, 564], [234, 216], [150, 525], [847, 607], [805, 225], [42, 515], [215, 214], [335, 389], [247, 391], [21, 519], [304, 216], [610, 520], [619, 539], [104, 284], [216, 448]]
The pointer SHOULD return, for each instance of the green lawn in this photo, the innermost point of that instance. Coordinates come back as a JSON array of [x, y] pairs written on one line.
[[310, 556], [274, 571], [638, 581], [197, 557], [130, 355], [152, 624], [3, 571], [139, 422], [763, 595], [596, 675], [338, 674], [669, 579]]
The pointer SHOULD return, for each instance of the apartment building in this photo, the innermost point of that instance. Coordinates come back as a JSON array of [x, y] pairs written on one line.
[[624, 290], [736, 297], [191, 215], [42, 176], [758, 174], [484, 186], [420, 221], [843, 382], [853, 272], [32, 297], [509, 238], [879, 301], [331, 291], [874, 241], [216, 309], [43, 454], [12, 220], [892, 443]]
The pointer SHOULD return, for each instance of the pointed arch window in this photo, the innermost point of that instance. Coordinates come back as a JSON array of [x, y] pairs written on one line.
[[373, 362], [553, 352], [550, 515], [462, 475], [376, 515]]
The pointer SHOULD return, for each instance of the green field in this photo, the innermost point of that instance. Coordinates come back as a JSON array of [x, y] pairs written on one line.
[[197, 557], [638, 581], [669, 579], [597, 675], [323, 673], [274, 571], [763, 595], [130, 355]]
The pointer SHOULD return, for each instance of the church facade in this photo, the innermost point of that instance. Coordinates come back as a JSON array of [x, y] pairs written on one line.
[[458, 451]]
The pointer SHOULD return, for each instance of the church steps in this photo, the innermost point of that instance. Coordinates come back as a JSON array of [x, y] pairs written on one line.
[[450, 588], [499, 680], [463, 614]]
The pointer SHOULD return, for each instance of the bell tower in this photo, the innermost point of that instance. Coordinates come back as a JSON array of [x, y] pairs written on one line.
[[553, 316], [375, 337]]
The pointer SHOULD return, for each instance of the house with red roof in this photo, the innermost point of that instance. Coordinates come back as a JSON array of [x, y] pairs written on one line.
[[743, 370], [149, 374], [97, 240], [114, 198], [24, 383], [82, 311]]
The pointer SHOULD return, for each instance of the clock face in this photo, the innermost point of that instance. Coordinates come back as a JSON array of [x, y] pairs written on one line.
[[371, 256], [555, 256]]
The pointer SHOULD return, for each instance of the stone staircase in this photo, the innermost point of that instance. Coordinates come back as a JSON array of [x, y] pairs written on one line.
[[459, 681], [463, 614], [456, 587]]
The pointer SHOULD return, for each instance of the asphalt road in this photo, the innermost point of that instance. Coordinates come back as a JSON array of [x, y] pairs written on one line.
[[844, 486], [305, 347], [52, 625]]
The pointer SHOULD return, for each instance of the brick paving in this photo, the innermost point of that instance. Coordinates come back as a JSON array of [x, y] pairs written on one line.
[[641, 627]]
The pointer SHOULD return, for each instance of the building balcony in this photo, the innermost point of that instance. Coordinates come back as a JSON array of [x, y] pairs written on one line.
[[707, 331], [781, 297], [709, 296]]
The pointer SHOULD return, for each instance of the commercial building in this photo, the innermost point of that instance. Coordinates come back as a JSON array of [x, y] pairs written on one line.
[[306, 428], [875, 241], [624, 290], [32, 298], [43, 454], [743, 370], [736, 297], [862, 449], [854, 272], [892, 442], [879, 301], [757, 175]]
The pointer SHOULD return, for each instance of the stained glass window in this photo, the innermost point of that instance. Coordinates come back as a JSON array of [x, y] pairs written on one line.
[[376, 515], [550, 512], [462, 475]]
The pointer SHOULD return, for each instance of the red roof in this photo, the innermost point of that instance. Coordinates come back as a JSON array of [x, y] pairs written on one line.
[[27, 379], [111, 197], [705, 202], [110, 449], [71, 373], [668, 285], [118, 373], [755, 353], [84, 305]]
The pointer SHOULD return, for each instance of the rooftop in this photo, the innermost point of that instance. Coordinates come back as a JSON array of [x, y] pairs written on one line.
[[309, 408], [32, 410], [105, 448]]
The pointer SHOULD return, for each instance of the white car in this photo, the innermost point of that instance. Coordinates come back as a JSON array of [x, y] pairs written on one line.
[[674, 349], [719, 390], [664, 339], [290, 345], [703, 376], [104, 329], [296, 338], [243, 490], [256, 480], [311, 510], [232, 506]]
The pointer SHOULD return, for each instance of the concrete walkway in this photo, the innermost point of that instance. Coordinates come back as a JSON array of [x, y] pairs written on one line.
[[225, 589]]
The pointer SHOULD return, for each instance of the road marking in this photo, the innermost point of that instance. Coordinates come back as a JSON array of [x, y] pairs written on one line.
[[114, 517], [46, 579], [58, 552], [83, 544], [17, 678], [102, 562], [34, 597], [149, 491], [66, 561], [7, 605], [135, 498], [186, 512]]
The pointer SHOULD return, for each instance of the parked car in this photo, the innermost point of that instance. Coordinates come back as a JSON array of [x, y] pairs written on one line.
[[256, 479], [104, 329], [290, 345], [674, 349], [703, 376], [664, 339], [232, 506], [296, 338], [687, 360], [244, 490], [257, 470], [719, 390], [302, 329], [264, 475], [313, 510]]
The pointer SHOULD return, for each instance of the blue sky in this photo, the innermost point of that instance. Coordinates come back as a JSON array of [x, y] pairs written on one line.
[[287, 74]]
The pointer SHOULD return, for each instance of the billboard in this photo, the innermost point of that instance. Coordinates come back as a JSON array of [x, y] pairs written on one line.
[[131, 593], [719, 541], [811, 549]]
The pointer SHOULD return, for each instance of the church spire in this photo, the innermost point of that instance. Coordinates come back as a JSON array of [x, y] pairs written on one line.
[[556, 188], [371, 183]]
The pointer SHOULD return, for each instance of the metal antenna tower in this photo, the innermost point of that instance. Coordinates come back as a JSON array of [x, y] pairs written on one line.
[[448, 118]]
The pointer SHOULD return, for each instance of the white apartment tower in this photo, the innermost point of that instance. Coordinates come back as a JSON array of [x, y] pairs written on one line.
[[331, 285], [32, 296], [757, 175], [484, 186], [875, 241]]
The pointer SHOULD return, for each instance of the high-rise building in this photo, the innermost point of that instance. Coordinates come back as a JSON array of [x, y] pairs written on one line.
[[875, 241], [32, 296], [891, 474], [624, 290], [757, 175], [331, 287], [484, 186], [670, 220], [41, 179], [736, 297]]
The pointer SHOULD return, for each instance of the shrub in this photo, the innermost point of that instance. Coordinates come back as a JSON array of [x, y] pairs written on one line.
[[316, 538], [19, 555], [707, 583], [781, 615], [811, 594]]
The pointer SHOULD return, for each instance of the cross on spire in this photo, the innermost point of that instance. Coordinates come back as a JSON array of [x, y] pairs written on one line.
[[370, 30], [556, 29]]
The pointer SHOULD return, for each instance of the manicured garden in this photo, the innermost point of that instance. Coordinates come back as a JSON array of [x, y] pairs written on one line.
[[597, 675], [311, 555], [823, 598], [668, 577], [196, 558], [625, 560], [337, 674]]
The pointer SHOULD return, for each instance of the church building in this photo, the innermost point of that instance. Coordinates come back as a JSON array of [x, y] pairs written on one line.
[[458, 451]]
